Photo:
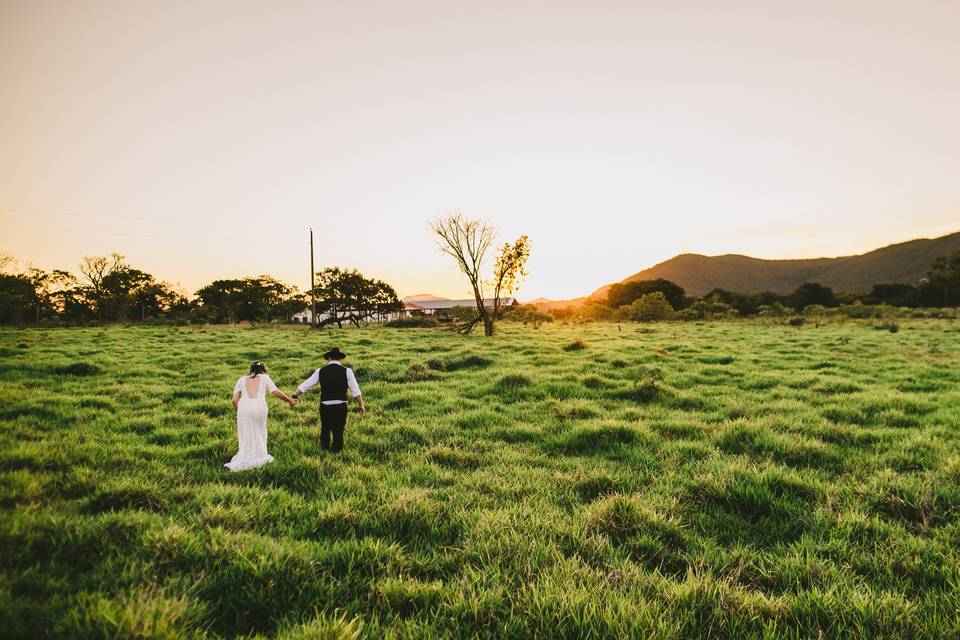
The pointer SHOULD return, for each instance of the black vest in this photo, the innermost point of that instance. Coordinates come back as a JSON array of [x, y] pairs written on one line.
[[333, 382]]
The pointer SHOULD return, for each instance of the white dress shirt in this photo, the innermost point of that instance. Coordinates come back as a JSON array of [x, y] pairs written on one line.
[[314, 380]]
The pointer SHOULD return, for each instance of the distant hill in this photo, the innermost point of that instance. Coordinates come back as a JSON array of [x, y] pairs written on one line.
[[546, 304], [423, 297], [903, 263]]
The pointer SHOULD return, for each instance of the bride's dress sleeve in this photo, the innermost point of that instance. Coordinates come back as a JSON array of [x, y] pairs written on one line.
[[271, 387], [238, 388]]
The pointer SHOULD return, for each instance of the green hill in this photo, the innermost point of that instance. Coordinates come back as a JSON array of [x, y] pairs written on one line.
[[906, 263]]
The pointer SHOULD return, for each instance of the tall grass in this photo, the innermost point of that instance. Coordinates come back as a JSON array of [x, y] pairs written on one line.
[[728, 480]]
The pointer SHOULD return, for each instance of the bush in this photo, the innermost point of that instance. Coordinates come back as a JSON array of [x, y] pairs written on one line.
[[646, 388], [529, 315], [577, 345], [708, 310], [892, 327], [514, 381], [416, 373], [775, 310], [796, 321], [410, 323], [647, 308], [468, 362], [79, 369], [436, 364]]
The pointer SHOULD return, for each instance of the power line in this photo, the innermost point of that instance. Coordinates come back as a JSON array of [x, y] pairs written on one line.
[[80, 214], [202, 235]]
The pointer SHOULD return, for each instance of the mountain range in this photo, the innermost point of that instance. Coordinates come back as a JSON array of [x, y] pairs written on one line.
[[902, 263]]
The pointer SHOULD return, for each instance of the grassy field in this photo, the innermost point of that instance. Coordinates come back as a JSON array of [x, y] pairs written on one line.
[[726, 480]]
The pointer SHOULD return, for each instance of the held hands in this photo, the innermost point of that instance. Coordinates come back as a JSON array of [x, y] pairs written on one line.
[[293, 402]]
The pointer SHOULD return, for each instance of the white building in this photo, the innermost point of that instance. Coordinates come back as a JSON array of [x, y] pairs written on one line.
[[437, 308], [305, 316], [440, 307]]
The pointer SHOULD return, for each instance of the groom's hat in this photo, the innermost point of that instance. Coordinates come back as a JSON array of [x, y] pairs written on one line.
[[334, 354]]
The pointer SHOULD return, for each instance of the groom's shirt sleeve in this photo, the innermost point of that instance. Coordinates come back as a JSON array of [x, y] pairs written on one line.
[[310, 382], [352, 383]]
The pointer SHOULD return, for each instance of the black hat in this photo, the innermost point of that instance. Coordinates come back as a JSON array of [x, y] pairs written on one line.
[[334, 354]]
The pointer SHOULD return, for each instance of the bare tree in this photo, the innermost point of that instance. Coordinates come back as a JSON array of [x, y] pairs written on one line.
[[6, 261], [467, 242], [95, 269], [509, 269]]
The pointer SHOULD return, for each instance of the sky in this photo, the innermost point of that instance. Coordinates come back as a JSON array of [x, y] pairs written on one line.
[[202, 138]]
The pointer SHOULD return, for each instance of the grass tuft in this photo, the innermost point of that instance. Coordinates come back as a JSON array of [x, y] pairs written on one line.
[[79, 369]]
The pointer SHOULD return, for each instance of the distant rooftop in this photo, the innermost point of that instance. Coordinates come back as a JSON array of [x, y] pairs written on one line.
[[449, 304]]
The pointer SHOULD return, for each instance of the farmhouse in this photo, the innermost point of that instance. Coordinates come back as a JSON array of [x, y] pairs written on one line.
[[306, 316], [442, 307]]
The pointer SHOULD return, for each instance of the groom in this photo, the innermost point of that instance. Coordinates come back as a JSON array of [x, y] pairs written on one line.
[[334, 380]]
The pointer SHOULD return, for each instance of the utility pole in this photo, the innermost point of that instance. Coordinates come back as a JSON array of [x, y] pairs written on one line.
[[313, 295]]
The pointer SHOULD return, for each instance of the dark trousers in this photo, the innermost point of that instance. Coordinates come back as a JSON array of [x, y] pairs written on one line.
[[333, 418]]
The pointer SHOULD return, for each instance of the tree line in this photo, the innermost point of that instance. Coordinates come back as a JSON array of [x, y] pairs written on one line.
[[110, 289], [645, 300]]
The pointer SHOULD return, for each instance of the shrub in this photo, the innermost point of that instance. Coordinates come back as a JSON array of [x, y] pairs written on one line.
[[79, 369], [436, 364], [577, 345], [775, 310], [892, 327], [529, 315], [468, 361], [410, 323], [647, 308], [416, 373], [796, 321], [708, 310], [514, 381], [646, 388]]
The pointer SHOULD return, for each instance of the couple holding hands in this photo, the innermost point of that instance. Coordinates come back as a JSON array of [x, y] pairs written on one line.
[[249, 400]]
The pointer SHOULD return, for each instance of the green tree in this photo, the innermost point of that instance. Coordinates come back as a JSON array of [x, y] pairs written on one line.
[[258, 299], [647, 308], [942, 288], [17, 297], [509, 269], [49, 288], [624, 293], [810, 293], [348, 295], [897, 295], [30, 295], [746, 304]]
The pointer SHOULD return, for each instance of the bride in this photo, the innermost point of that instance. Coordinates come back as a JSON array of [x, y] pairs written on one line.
[[249, 400]]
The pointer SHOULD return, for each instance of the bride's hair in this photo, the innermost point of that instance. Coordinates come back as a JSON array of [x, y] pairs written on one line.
[[257, 368]]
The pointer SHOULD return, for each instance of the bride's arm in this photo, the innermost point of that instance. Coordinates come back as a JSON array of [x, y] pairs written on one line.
[[236, 393], [276, 392], [280, 394]]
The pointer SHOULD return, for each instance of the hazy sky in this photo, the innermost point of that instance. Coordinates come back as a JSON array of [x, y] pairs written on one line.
[[202, 138]]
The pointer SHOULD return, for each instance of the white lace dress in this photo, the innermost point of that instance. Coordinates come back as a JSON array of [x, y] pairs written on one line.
[[252, 422]]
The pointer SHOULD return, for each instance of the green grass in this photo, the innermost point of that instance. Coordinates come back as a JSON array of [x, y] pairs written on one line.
[[726, 480]]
